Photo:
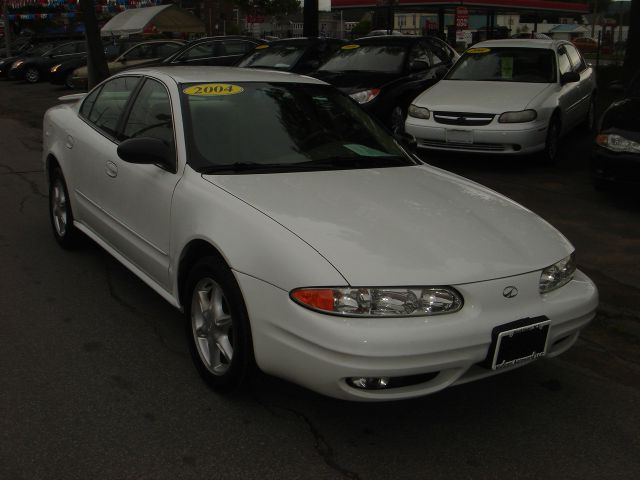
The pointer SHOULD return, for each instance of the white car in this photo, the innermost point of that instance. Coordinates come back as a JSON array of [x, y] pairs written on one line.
[[297, 234], [507, 97]]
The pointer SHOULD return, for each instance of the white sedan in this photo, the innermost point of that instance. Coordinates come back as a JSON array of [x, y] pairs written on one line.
[[297, 235], [507, 97]]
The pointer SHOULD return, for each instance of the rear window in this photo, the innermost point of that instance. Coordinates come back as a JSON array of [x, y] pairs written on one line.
[[282, 57]]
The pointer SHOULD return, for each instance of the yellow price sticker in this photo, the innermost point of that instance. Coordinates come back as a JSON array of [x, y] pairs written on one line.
[[212, 89], [261, 47], [350, 47], [479, 50]]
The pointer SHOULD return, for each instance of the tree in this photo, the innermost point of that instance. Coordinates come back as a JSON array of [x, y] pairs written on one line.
[[97, 68], [270, 7], [632, 52]]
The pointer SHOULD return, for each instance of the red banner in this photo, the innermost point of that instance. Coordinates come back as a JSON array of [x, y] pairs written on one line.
[[462, 18]]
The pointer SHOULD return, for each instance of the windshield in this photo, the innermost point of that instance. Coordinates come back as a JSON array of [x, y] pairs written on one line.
[[41, 50], [282, 127], [281, 57], [367, 58], [532, 65]]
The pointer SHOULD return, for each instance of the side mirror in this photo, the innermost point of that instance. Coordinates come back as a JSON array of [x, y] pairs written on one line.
[[418, 66], [311, 65], [569, 77], [145, 151]]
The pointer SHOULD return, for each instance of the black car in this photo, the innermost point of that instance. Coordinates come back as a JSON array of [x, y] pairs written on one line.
[[62, 73], [385, 73], [224, 50], [616, 154], [297, 55], [35, 50], [37, 67]]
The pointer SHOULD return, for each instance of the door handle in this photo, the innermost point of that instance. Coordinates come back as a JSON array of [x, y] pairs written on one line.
[[69, 142], [111, 169]]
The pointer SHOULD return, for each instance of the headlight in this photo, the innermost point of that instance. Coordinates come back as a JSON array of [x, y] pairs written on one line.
[[379, 302], [419, 112], [17, 63], [365, 95], [617, 143], [55, 68], [557, 274], [518, 117]]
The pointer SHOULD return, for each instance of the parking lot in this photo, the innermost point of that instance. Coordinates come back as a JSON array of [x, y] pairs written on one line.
[[97, 381]]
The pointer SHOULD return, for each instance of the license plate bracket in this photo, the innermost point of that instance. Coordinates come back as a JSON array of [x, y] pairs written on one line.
[[459, 136], [519, 341]]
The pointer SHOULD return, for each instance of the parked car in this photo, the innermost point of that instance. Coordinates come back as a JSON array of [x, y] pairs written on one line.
[[383, 74], [221, 50], [296, 233], [34, 68], [143, 53], [382, 31], [616, 153], [297, 55], [507, 97], [6, 62], [62, 73], [534, 35], [590, 45]]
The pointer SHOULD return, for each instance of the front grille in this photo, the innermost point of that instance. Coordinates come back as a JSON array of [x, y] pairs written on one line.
[[485, 147], [463, 118]]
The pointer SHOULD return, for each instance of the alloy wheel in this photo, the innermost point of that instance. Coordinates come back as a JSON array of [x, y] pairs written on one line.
[[59, 208], [32, 75], [212, 326]]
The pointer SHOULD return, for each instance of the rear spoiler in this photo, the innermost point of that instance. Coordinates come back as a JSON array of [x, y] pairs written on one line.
[[73, 97]]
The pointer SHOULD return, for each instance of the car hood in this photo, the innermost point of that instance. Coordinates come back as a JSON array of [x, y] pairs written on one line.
[[351, 82], [403, 225], [480, 97]]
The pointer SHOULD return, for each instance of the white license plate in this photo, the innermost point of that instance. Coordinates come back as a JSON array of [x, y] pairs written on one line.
[[459, 136]]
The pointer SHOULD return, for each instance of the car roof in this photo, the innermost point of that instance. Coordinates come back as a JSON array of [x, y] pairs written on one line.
[[196, 74], [521, 43], [389, 40]]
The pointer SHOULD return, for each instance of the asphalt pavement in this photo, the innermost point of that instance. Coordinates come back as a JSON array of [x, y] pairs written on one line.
[[96, 381]]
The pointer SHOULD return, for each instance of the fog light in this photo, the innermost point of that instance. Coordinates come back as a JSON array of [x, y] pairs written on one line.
[[369, 383]]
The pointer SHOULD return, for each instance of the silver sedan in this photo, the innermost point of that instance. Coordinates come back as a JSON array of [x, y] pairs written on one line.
[[507, 97]]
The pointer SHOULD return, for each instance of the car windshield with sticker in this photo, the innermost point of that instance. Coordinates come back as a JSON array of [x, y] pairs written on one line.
[[527, 65], [285, 126]]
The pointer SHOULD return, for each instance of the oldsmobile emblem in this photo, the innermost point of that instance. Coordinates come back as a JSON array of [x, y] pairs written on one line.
[[510, 292]]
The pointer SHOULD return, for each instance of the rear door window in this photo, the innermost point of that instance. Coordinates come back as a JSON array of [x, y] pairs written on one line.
[[110, 104]]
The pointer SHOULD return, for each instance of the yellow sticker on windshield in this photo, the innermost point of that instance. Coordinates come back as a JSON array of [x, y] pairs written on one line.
[[350, 47], [260, 47], [211, 89], [479, 50]]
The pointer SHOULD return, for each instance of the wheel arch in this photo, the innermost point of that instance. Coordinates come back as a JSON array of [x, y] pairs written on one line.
[[193, 251]]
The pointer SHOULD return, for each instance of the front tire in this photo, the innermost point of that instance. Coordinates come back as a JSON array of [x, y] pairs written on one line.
[[549, 155], [218, 329], [68, 80], [32, 75], [60, 213]]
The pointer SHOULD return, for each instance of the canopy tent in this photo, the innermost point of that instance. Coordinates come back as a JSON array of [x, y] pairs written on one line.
[[166, 18]]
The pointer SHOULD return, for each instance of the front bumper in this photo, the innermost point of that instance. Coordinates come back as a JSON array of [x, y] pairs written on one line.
[[500, 138], [608, 166], [321, 352]]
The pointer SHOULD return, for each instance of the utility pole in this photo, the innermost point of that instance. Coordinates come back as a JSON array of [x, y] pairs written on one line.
[[7, 26], [310, 14]]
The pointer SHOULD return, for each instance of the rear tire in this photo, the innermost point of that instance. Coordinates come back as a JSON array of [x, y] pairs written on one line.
[[217, 324], [60, 214]]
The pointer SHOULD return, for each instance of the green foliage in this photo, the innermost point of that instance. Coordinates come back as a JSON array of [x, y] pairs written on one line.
[[362, 28]]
